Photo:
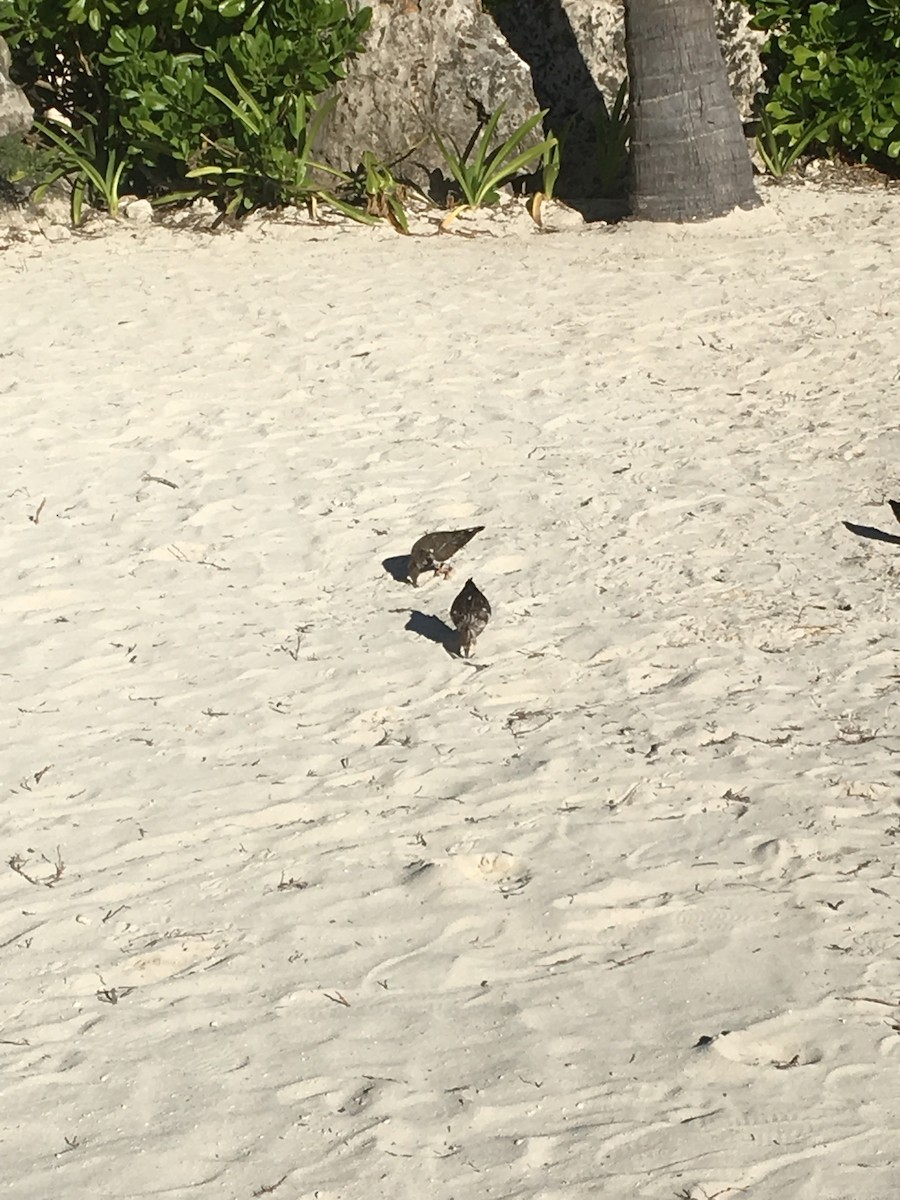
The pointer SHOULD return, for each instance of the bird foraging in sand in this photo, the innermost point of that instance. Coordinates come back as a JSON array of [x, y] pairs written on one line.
[[470, 613], [895, 508], [430, 552]]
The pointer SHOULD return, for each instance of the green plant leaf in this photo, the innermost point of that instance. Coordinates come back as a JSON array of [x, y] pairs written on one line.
[[77, 203], [487, 138], [506, 170], [491, 167], [457, 170]]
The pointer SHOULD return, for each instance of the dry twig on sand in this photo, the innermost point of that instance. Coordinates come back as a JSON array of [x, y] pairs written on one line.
[[17, 863]]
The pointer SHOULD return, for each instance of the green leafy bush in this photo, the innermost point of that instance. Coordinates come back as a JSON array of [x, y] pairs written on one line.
[[275, 165], [155, 81], [834, 68]]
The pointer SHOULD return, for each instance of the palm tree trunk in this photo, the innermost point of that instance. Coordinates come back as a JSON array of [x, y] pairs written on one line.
[[689, 159]]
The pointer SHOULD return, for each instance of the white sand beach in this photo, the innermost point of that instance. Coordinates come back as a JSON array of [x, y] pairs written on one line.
[[296, 902]]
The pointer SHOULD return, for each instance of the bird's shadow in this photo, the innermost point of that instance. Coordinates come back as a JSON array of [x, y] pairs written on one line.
[[397, 567], [435, 630], [873, 534]]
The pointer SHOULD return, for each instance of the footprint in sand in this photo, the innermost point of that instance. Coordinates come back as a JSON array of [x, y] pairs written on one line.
[[781, 858], [362, 1098], [766, 1046], [163, 962], [499, 868]]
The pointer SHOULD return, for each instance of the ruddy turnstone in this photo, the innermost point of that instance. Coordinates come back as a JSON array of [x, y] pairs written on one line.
[[470, 613], [430, 552]]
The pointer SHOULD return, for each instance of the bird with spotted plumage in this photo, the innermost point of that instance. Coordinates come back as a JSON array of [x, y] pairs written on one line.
[[470, 613], [432, 550]]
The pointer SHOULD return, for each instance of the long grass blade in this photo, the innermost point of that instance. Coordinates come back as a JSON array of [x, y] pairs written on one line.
[[40, 191], [487, 137], [520, 134], [244, 94], [397, 215], [619, 105], [242, 115], [458, 171], [506, 170], [78, 189], [348, 210]]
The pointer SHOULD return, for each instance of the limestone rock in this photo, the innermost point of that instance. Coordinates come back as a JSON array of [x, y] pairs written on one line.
[[440, 64], [428, 65], [139, 211], [741, 46], [558, 218], [15, 112]]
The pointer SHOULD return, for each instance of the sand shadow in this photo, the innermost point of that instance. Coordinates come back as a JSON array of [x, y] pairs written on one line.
[[434, 630], [397, 567], [873, 534]]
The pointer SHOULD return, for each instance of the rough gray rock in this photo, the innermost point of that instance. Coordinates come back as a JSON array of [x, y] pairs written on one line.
[[15, 112], [440, 64], [139, 211], [740, 46], [428, 65]]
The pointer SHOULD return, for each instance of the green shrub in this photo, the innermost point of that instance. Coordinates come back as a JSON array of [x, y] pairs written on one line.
[[90, 172], [834, 68], [480, 168], [274, 166], [154, 80]]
